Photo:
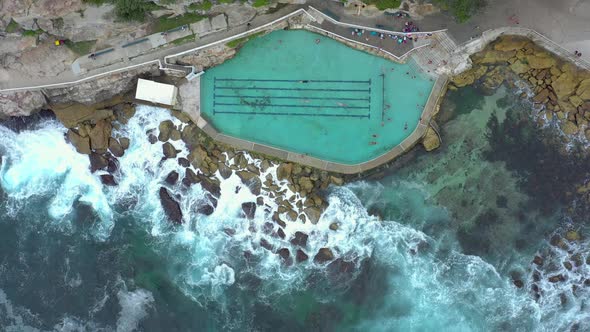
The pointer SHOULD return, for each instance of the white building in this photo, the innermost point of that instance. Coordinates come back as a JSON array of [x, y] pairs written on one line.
[[157, 93]]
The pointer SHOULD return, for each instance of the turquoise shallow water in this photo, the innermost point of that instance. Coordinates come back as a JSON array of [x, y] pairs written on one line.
[[323, 99]]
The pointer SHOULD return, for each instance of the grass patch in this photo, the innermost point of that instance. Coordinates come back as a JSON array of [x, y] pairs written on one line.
[[384, 4], [32, 33], [461, 9], [12, 26], [96, 2], [81, 47], [226, 1], [238, 42], [260, 3], [167, 23], [183, 40], [204, 5]]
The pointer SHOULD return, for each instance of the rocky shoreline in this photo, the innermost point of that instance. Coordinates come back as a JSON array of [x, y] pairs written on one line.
[[559, 90]]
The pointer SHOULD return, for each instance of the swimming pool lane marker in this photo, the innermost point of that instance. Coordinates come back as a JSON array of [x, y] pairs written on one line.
[[302, 106], [290, 89], [295, 114], [294, 97], [286, 81]]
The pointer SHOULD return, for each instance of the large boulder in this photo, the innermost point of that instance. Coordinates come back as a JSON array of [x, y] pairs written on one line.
[[169, 150], [251, 180], [520, 66], [115, 147], [301, 256], [165, 129], [124, 141], [211, 185], [284, 171], [511, 43], [299, 239], [171, 206], [313, 214], [494, 57], [430, 141], [324, 255], [108, 180], [565, 84], [249, 209], [224, 170], [21, 103], [468, 77], [97, 162], [100, 135], [73, 114], [540, 60], [583, 90], [82, 144], [172, 177]]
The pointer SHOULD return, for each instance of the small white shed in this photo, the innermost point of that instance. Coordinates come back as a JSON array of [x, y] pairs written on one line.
[[157, 93]]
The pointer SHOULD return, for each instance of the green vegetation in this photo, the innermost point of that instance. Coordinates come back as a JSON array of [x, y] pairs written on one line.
[[238, 42], [184, 39], [130, 10], [384, 4], [81, 47], [225, 1], [260, 3], [461, 9], [97, 2], [204, 5], [32, 33], [166, 23], [12, 26]]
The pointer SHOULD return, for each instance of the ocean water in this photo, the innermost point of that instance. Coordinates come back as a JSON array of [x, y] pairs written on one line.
[[432, 245], [307, 93]]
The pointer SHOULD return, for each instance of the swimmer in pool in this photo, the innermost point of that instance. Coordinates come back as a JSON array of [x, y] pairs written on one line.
[[406, 126]]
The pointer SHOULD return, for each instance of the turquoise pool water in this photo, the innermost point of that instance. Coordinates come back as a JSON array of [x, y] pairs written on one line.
[[309, 94]]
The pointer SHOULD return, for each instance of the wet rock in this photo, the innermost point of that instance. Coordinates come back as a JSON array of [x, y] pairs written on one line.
[[183, 162], [206, 209], [430, 141], [175, 135], [285, 254], [556, 278], [277, 219], [152, 139], [291, 215], [251, 180], [100, 134], [324, 255], [108, 180], [281, 233], [74, 114], [172, 178], [82, 144], [284, 171], [301, 256], [124, 112], [124, 141], [165, 128], [259, 201], [313, 213], [112, 164], [334, 226], [97, 162], [211, 185], [518, 283], [170, 206], [249, 209], [266, 245], [538, 260], [572, 236], [300, 239], [169, 150], [224, 170], [336, 180], [568, 266], [115, 147], [190, 178]]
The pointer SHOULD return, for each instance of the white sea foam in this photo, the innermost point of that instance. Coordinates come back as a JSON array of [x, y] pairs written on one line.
[[134, 308]]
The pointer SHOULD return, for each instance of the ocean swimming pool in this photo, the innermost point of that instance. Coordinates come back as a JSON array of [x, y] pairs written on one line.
[[309, 94]]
